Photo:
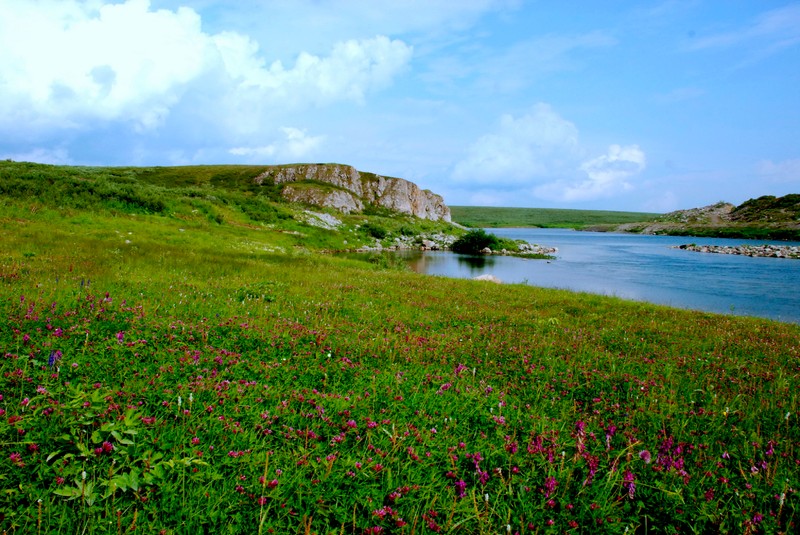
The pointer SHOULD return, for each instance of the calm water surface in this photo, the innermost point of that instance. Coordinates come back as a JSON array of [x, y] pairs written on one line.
[[642, 268]]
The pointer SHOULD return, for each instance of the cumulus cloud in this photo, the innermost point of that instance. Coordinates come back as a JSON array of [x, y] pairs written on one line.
[[66, 64], [541, 150], [537, 144], [295, 144]]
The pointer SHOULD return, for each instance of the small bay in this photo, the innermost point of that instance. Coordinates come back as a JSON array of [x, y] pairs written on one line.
[[639, 267]]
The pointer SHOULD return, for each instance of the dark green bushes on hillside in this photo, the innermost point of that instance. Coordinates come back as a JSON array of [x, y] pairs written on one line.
[[474, 241], [374, 231]]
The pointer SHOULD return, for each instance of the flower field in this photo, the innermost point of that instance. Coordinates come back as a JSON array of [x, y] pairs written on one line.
[[194, 387]]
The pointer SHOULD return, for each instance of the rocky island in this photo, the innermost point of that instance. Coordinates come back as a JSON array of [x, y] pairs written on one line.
[[769, 251]]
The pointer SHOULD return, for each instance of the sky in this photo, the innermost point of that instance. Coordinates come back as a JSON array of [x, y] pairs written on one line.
[[614, 104]]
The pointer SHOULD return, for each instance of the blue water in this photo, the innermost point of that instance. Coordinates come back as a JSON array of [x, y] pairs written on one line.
[[639, 267]]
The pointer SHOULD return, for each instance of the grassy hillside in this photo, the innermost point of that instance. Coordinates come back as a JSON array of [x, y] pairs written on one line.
[[494, 217], [225, 196], [767, 217], [165, 372]]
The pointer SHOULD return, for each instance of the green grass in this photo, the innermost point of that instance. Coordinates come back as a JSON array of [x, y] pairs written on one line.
[[493, 217], [168, 373]]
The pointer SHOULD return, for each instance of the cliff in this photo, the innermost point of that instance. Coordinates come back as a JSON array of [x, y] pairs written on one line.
[[346, 189]]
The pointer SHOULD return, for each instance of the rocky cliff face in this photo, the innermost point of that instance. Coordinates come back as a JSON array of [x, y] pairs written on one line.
[[344, 188]]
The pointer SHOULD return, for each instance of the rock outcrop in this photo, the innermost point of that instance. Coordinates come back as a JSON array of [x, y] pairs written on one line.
[[767, 251], [346, 189]]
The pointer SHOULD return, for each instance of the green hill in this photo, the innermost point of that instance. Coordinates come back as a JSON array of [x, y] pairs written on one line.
[[497, 217], [767, 217], [225, 195]]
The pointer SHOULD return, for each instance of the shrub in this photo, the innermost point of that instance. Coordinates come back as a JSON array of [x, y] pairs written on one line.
[[376, 231], [474, 241]]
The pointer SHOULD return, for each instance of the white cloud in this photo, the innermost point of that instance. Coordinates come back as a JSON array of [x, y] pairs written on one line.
[[541, 152], [65, 63], [605, 176], [537, 144], [59, 156], [352, 69], [784, 171], [295, 144]]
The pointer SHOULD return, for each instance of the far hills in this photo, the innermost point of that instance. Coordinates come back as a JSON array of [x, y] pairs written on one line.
[[767, 217]]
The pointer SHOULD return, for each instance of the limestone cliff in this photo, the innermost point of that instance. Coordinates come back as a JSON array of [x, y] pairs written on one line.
[[346, 189]]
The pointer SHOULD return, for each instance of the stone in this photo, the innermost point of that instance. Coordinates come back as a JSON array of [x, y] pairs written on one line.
[[346, 189], [488, 278]]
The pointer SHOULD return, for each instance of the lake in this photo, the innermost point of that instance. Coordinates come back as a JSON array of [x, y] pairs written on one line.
[[639, 267]]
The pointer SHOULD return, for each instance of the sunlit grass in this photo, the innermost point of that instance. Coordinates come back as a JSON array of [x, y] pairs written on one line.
[[184, 376]]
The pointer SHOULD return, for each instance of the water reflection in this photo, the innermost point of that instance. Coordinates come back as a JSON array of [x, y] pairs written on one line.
[[476, 262], [637, 267]]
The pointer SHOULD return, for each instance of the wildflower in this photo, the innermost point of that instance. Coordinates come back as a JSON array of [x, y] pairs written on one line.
[[645, 456], [628, 483], [461, 487], [550, 485], [55, 356], [120, 336]]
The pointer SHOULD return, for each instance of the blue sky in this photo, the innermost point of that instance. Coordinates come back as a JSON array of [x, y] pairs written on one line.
[[622, 105]]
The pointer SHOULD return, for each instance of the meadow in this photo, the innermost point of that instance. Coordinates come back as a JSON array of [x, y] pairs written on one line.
[[165, 374], [499, 217]]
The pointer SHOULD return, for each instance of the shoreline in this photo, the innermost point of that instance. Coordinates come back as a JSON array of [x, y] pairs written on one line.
[[759, 251]]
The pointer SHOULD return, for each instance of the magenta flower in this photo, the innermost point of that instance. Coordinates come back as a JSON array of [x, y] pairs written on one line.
[[645, 456], [550, 485], [461, 487], [628, 483]]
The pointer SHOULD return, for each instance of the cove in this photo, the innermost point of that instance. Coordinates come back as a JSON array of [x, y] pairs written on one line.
[[638, 267]]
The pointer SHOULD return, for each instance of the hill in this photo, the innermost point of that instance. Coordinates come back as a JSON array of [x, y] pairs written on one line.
[[766, 217], [377, 210], [497, 217]]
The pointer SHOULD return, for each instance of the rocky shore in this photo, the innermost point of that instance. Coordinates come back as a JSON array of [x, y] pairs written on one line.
[[442, 242], [768, 251]]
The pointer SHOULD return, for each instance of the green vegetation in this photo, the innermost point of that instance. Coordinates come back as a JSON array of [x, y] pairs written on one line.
[[769, 209], [475, 241], [165, 372], [493, 217]]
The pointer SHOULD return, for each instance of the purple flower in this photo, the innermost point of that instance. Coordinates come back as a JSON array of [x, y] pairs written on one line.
[[645, 456], [550, 485], [461, 487], [55, 356], [628, 483]]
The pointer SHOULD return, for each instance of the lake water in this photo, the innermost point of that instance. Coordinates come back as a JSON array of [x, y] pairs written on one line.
[[639, 267]]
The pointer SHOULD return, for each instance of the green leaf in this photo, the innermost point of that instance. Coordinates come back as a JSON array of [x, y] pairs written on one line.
[[68, 492]]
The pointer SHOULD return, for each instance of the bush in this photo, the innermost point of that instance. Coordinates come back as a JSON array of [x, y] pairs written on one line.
[[474, 241], [376, 231]]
